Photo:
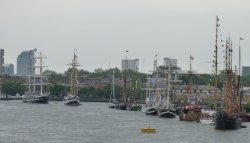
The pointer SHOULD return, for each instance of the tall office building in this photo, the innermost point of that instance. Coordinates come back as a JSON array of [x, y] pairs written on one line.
[[1, 60], [26, 63], [8, 69], [130, 64], [245, 70], [170, 62]]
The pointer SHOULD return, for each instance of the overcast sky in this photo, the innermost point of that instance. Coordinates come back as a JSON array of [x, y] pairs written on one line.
[[101, 31]]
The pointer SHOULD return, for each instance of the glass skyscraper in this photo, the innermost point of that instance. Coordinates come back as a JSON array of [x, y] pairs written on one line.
[[26, 63]]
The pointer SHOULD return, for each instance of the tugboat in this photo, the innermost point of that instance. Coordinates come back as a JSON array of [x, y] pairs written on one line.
[[72, 99], [36, 96]]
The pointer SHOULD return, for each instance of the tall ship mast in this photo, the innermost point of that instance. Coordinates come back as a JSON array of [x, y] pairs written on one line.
[[122, 104], [226, 116], [190, 75], [166, 111], [112, 99], [216, 65], [72, 99], [153, 91], [36, 96]]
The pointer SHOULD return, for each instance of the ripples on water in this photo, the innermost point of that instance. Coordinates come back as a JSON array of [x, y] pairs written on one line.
[[96, 123]]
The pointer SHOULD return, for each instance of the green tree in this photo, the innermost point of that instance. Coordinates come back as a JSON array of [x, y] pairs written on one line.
[[83, 92], [12, 87], [58, 91]]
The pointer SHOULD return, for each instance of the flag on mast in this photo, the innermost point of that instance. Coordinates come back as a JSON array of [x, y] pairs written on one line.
[[191, 57]]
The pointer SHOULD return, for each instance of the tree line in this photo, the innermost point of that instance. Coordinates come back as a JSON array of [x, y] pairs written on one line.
[[55, 83]]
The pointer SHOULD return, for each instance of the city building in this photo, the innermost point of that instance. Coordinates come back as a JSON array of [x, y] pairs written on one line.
[[130, 64], [1, 60], [170, 62], [26, 63], [8, 69], [245, 70]]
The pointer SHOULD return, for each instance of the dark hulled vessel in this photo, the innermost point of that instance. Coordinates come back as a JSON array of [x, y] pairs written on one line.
[[35, 97], [135, 107], [121, 106], [226, 117], [225, 121], [152, 111], [166, 113]]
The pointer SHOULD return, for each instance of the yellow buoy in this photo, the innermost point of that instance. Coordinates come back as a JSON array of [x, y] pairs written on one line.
[[148, 130]]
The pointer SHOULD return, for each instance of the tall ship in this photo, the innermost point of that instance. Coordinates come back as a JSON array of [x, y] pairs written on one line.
[[153, 96], [122, 104], [226, 115], [190, 110], [112, 100], [133, 100], [154, 90], [72, 99], [36, 96], [165, 111]]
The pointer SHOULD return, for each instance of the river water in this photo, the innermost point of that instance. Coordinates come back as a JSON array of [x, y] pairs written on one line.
[[96, 123]]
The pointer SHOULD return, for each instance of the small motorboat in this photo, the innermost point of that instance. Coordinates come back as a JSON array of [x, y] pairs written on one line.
[[148, 130]]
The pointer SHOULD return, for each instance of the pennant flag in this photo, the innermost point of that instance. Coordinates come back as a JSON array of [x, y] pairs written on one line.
[[191, 57]]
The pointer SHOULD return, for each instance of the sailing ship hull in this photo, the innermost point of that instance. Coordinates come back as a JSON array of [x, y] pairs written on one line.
[[120, 106], [135, 108], [165, 113], [152, 111], [38, 99], [72, 102], [191, 113], [224, 121], [112, 106], [244, 117]]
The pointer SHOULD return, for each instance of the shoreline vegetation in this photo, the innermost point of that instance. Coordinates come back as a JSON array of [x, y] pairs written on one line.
[[96, 86]]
